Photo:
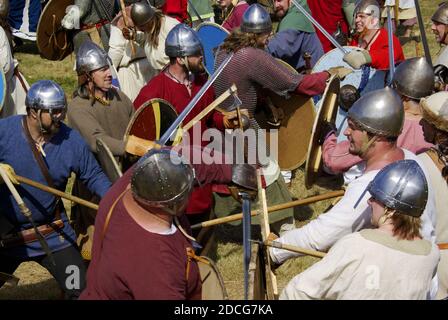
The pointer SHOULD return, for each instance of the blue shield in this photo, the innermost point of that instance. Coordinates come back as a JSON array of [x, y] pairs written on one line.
[[212, 36], [2, 89], [365, 80]]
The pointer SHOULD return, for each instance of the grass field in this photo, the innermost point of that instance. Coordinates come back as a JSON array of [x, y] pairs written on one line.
[[37, 283]]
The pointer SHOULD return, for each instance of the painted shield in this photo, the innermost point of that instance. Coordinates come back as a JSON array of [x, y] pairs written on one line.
[[152, 119], [53, 41], [327, 112], [107, 161], [365, 80], [295, 129], [212, 282], [212, 35], [2, 89]]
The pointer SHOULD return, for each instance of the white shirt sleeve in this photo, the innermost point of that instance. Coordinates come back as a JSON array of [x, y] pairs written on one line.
[[343, 219], [117, 45]]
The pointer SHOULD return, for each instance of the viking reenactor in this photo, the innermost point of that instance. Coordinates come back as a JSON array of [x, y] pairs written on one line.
[[252, 68], [330, 16], [295, 41], [413, 80], [394, 250], [374, 123], [16, 84], [98, 111], [133, 69], [150, 32], [440, 29], [406, 17], [371, 39], [178, 83], [143, 250], [233, 14], [93, 18], [39, 146], [435, 160]]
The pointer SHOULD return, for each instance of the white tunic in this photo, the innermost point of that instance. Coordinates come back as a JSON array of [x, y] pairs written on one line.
[[402, 4], [368, 265], [156, 55], [134, 71], [15, 94], [343, 219], [440, 186]]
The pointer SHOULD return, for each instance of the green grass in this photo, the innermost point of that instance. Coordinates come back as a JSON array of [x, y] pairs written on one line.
[[36, 283]]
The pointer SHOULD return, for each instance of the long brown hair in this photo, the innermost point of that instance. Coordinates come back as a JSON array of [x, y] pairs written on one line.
[[154, 28], [238, 40]]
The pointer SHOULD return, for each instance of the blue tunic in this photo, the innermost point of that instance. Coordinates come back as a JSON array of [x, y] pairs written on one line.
[[289, 45], [66, 152]]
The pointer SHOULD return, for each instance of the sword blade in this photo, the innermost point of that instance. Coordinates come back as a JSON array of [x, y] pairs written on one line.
[[423, 32], [246, 241], [391, 45]]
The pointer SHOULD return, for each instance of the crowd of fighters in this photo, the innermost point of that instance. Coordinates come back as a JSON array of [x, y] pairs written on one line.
[[391, 222]]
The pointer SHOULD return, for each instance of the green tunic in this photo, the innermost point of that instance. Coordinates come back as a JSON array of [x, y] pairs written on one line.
[[296, 20]]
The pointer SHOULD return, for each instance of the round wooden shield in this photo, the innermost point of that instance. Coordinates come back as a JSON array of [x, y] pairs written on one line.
[[151, 120], [365, 80], [107, 161], [212, 35], [327, 112], [2, 89], [212, 282], [296, 127], [53, 41]]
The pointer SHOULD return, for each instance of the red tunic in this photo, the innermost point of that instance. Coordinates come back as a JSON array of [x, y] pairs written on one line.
[[379, 50], [161, 86], [235, 18], [176, 9], [328, 13], [135, 263]]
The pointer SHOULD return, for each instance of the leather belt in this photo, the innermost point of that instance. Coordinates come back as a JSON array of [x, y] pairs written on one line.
[[95, 25], [28, 235], [443, 246]]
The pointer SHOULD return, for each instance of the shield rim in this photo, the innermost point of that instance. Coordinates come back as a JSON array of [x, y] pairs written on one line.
[[111, 157], [328, 53], [210, 24], [2, 101], [310, 100], [325, 111], [140, 110], [46, 8]]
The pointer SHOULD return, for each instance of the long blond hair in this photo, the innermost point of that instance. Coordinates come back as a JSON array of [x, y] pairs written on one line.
[[154, 28], [405, 227]]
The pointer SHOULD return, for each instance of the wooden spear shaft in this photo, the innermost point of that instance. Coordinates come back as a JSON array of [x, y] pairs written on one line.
[[278, 207], [308, 252], [125, 21], [57, 192]]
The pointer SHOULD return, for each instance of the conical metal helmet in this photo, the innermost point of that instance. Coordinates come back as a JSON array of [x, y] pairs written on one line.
[[435, 110], [90, 57], [401, 186], [414, 78], [256, 20], [46, 95], [4, 8], [441, 14], [370, 7], [182, 41], [379, 112], [142, 13], [162, 181]]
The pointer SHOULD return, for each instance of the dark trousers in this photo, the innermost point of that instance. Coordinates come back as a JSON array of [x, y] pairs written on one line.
[[69, 269]]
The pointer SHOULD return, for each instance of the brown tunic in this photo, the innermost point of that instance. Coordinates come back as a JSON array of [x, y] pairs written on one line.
[[108, 122]]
